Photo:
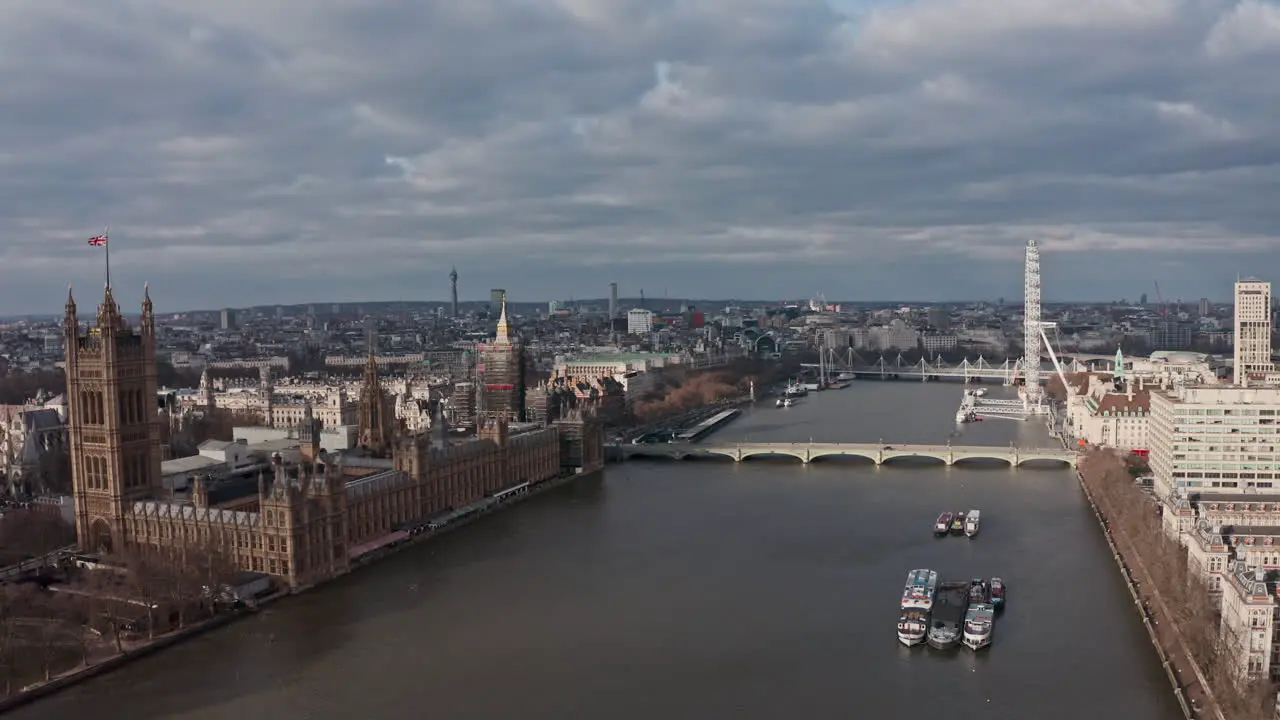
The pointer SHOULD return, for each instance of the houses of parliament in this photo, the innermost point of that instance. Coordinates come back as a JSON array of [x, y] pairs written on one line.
[[312, 511]]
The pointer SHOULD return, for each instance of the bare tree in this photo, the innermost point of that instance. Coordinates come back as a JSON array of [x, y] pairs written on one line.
[[1212, 643], [9, 641], [35, 531]]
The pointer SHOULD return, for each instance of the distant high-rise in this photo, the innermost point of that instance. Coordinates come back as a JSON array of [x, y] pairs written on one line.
[[613, 300], [1253, 329], [497, 297], [453, 286], [228, 319], [1204, 309]]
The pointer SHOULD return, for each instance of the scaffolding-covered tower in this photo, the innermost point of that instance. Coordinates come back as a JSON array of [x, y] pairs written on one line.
[[500, 372]]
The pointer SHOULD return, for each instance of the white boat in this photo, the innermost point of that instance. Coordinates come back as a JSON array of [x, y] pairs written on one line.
[[782, 402], [922, 586], [912, 626], [971, 522], [846, 377], [788, 402], [976, 392], [979, 621], [963, 416]]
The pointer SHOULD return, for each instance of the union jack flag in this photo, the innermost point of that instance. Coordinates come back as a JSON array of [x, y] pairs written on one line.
[[98, 240]]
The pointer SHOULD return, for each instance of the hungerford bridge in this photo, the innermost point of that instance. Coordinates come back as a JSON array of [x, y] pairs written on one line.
[[875, 452], [849, 362]]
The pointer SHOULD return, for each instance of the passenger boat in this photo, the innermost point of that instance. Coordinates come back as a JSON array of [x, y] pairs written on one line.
[[948, 615], [943, 525], [922, 586], [912, 626], [957, 524], [971, 520], [979, 621], [997, 593]]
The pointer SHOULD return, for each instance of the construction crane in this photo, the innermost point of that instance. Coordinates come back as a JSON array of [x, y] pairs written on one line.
[[1164, 309]]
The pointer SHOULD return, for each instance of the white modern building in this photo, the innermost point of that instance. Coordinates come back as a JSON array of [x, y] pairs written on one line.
[[1218, 438], [1252, 330], [639, 321]]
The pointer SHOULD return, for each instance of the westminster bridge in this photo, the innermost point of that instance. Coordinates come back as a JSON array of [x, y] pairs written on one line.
[[875, 452]]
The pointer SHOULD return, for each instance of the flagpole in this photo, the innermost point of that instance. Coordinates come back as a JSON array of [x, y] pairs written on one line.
[[107, 247]]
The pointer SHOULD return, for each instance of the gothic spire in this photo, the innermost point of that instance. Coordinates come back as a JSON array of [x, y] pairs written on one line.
[[503, 335], [70, 321], [148, 319], [109, 311]]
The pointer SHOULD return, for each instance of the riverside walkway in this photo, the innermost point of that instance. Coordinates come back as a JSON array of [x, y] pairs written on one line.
[[874, 452]]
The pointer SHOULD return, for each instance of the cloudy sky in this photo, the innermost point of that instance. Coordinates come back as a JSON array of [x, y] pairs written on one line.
[[248, 152]]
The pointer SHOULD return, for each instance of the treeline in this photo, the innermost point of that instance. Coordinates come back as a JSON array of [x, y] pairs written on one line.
[[83, 616], [33, 531], [19, 387], [675, 393], [1129, 512]]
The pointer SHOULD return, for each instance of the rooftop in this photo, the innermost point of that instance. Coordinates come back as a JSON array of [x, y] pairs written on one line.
[[190, 464]]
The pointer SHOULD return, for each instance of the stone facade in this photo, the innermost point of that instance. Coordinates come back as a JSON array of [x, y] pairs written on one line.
[[309, 517]]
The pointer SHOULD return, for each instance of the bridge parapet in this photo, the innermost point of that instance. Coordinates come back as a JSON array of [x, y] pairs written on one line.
[[876, 453]]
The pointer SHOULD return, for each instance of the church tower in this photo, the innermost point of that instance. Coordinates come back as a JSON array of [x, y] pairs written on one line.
[[113, 426], [377, 416]]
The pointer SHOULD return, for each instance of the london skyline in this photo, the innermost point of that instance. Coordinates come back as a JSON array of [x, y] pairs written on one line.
[[257, 155]]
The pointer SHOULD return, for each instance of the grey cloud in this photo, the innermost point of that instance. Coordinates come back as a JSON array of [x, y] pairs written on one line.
[[249, 152]]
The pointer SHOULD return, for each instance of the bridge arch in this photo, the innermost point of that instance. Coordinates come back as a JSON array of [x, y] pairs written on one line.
[[906, 458], [1045, 461], [709, 455], [979, 460], [771, 455], [837, 456], [661, 456]]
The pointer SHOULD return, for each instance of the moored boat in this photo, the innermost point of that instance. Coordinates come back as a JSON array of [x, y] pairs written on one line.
[[997, 593], [943, 526], [922, 586], [957, 524], [912, 626], [948, 615], [979, 622], [971, 520], [979, 591]]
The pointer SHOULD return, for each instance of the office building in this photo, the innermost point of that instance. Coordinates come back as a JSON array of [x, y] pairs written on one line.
[[639, 322], [1252, 330]]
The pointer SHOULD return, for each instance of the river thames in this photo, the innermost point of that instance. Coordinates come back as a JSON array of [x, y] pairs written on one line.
[[702, 589]]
